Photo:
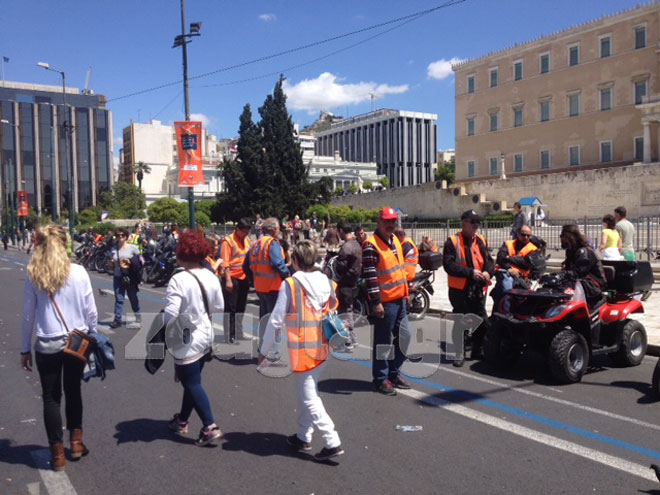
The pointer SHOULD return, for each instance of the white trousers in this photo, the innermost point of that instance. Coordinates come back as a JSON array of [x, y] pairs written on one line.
[[311, 411]]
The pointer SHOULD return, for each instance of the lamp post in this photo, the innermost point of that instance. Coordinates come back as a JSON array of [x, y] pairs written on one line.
[[502, 162], [67, 130], [182, 40]]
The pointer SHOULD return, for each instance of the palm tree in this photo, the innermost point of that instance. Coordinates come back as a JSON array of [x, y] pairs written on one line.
[[140, 169]]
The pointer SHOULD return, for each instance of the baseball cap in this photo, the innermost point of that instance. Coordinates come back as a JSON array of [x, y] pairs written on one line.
[[388, 213], [471, 216]]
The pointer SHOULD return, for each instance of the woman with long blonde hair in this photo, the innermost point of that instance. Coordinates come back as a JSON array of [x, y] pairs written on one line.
[[54, 282]]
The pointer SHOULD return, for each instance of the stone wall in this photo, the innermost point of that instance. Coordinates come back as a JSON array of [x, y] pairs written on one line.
[[568, 195]]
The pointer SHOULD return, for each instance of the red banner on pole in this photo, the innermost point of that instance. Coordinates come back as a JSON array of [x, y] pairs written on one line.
[[189, 145], [22, 199]]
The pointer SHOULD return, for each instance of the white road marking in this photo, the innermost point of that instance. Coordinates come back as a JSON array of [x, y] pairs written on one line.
[[57, 483], [34, 488], [536, 436]]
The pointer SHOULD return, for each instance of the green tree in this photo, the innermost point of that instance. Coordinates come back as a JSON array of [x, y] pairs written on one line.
[[446, 171], [88, 216], [367, 185], [321, 190], [352, 189], [339, 191], [123, 200], [164, 210], [385, 182], [140, 169]]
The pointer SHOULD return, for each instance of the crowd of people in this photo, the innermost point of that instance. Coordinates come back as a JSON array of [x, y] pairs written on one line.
[[294, 297]]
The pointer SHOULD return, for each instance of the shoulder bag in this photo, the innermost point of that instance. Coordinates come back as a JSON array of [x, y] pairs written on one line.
[[78, 344], [209, 355]]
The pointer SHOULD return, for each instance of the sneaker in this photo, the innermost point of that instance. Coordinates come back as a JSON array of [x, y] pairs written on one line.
[[115, 324], [386, 388], [207, 435], [458, 363], [178, 427], [298, 444], [399, 382], [349, 346], [327, 453]]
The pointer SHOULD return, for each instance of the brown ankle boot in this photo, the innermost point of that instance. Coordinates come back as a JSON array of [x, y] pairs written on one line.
[[78, 448], [57, 459]]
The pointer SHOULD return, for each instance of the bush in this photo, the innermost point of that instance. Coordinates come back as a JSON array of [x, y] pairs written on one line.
[[367, 185], [202, 219], [88, 216], [320, 209], [352, 189], [339, 191], [164, 210]]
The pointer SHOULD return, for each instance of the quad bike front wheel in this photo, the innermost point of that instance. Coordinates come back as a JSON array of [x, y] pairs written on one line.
[[568, 356]]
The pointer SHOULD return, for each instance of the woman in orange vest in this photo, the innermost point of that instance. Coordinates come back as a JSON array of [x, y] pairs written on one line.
[[410, 253], [301, 303], [235, 285]]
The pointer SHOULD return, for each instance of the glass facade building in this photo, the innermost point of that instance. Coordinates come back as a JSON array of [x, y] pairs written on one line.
[[33, 146]]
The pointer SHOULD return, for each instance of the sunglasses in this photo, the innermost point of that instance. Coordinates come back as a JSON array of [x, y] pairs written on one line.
[[524, 235]]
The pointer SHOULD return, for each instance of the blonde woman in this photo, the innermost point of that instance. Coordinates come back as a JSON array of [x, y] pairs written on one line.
[[50, 273]]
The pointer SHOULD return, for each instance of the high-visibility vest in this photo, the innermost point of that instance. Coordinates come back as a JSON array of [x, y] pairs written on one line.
[[98, 238], [266, 279], [306, 343], [411, 259], [527, 248], [477, 259], [390, 269], [238, 254], [135, 239]]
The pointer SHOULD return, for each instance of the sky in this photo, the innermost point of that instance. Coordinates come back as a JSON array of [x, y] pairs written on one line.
[[405, 65]]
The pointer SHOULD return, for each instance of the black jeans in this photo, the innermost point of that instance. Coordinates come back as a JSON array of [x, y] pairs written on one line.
[[52, 369], [235, 302], [461, 304], [345, 296]]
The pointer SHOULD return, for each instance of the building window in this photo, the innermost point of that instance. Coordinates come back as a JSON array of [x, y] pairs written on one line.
[[605, 46], [493, 77], [545, 111], [573, 105], [544, 62], [470, 84], [518, 163], [640, 91], [518, 70], [640, 37], [470, 167], [606, 151], [605, 99], [493, 166], [517, 117], [573, 55], [545, 159], [494, 122], [573, 155], [639, 149], [470, 127]]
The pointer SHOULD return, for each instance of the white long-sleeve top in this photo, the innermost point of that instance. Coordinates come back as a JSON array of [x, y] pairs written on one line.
[[75, 300], [184, 298], [317, 289]]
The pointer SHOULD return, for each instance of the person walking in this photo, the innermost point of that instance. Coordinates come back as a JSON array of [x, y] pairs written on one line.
[[302, 301], [348, 268], [127, 264], [519, 219], [235, 285], [410, 253], [192, 296], [611, 245], [265, 265], [385, 276], [626, 230], [57, 295], [469, 268], [5, 239]]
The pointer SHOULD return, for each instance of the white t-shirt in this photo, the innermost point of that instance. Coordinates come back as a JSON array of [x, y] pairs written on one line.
[[184, 298], [75, 300]]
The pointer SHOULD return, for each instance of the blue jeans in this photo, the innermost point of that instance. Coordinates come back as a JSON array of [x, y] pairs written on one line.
[[194, 395], [504, 282], [390, 331], [120, 291]]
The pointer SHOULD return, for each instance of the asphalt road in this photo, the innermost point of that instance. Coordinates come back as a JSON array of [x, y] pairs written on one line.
[[484, 431]]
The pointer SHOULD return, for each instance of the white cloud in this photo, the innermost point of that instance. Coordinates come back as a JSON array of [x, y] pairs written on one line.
[[268, 17], [200, 117], [441, 69], [325, 92]]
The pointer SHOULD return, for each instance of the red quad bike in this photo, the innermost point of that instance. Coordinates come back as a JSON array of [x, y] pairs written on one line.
[[552, 320]]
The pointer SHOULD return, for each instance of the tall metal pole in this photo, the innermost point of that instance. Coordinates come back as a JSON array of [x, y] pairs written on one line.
[[186, 96], [53, 199], [67, 159]]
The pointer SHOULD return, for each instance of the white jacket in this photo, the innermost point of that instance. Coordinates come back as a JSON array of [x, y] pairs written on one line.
[[189, 331]]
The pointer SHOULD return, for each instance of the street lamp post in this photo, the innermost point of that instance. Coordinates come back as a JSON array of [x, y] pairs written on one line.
[[182, 40], [67, 129]]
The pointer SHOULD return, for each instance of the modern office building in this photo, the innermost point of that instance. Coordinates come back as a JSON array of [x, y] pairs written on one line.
[[577, 99], [403, 144], [33, 145]]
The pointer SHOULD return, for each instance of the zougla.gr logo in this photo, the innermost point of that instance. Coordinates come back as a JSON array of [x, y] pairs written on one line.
[[424, 343]]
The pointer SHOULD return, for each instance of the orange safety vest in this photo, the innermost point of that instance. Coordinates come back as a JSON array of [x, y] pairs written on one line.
[[306, 342], [238, 254], [411, 260], [477, 260], [390, 269], [266, 279], [434, 248], [527, 248]]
